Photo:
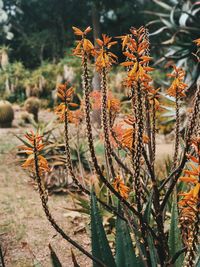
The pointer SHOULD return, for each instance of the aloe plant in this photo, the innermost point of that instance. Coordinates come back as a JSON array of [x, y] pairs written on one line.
[[139, 201]]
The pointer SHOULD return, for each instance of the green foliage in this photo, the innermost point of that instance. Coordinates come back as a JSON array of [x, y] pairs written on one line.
[[125, 254], [100, 246], [54, 258], [178, 24], [6, 114], [12, 81], [174, 240]]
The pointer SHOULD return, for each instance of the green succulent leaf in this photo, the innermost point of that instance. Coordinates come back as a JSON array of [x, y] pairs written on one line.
[[162, 4], [100, 245], [125, 255], [174, 240], [54, 258], [147, 212], [152, 251]]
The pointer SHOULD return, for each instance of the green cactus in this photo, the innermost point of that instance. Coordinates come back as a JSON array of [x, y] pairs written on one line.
[[6, 114], [32, 105]]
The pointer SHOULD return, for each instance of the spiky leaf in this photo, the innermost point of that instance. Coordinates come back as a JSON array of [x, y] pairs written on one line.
[[54, 258], [100, 245], [125, 255], [174, 240], [74, 259], [152, 252]]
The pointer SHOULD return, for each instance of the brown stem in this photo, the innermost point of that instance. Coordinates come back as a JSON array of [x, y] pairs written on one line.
[[51, 219], [149, 131], [105, 122], [154, 132], [86, 85], [70, 169], [177, 130], [136, 161]]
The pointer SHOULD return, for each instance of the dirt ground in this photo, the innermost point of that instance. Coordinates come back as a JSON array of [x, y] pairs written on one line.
[[24, 230]]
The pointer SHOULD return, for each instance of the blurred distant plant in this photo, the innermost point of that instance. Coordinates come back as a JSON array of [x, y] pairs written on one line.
[[5, 24], [6, 114], [12, 78], [148, 210], [178, 23], [32, 105]]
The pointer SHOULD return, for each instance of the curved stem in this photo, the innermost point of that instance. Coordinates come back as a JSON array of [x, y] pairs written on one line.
[[51, 219]]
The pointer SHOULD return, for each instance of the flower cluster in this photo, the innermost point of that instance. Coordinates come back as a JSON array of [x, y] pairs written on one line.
[[84, 45], [65, 94], [189, 204], [104, 58], [178, 86], [113, 103], [137, 62], [33, 146], [120, 187], [128, 134]]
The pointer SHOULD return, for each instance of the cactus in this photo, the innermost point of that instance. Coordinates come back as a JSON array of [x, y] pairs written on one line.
[[32, 105], [6, 114]]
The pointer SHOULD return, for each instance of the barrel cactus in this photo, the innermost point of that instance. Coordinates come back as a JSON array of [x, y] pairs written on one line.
[[6, 114], [32, 105]]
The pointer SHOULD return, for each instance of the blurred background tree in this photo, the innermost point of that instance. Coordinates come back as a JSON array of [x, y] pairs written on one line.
[[42, 29], [38, 34]]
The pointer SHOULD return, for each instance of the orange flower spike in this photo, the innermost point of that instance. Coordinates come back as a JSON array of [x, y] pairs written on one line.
[[35, 140], [104, 58], [120, 187], [125, 40], [177, 86], [195, 142], [84, 45]]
